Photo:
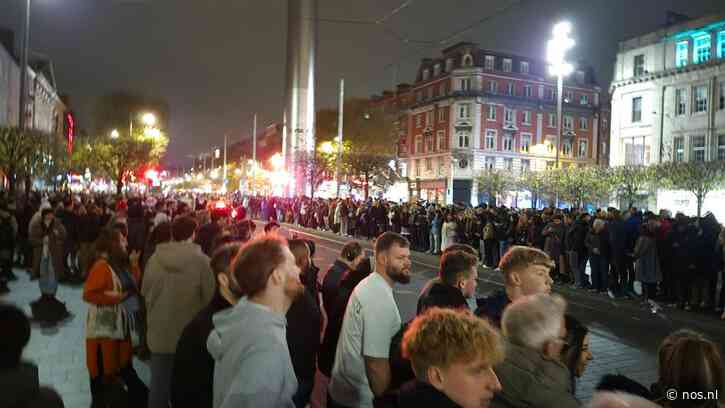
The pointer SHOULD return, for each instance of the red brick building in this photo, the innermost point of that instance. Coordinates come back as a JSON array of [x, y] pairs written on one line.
[[472, 109]]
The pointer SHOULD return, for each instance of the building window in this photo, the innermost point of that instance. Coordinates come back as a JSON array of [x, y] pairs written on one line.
[[419, 120], [428, 164], [464, 111], [583, 149], [462, 139], [508, 143], [552, 120], [419, 144], [680, 101], [488, 62], [637, 109], [493, 87], [441, 114], [721, 44], [678, 146], [417, 167], [681, 52], [508, 164], [525, 165], [549, 94], [429, 118], [527, 91], [441, 139], [639, 65], [507, 65], [568, 96], [525, 142], [466, 84], [436, 70], [490, 142], [491, 112], [449, 64], [721, 147], [584, 100], [550, 143], [568, 123], [490, 163], [698, 148], [566, 148], [527, 118], [524, 67], [550, 164], [722, 95], [467, 60], [429, 143], [583, 123], [701, 49], [700, 99], [510, 89], [508, 115], [425, 74]]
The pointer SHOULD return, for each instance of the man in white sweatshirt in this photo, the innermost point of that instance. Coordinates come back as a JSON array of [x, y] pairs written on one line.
[[252, 363]]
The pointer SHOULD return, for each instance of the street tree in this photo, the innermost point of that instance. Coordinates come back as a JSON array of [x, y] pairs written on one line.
[[496, 183], [698, 178], [630, 181], [536, 183], [23, 154]]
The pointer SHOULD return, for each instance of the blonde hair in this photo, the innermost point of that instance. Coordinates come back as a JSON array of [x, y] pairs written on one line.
[[519, 258], [441, 337]]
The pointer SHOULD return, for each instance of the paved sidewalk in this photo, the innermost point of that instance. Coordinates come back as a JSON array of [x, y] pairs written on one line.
[[59, 351]]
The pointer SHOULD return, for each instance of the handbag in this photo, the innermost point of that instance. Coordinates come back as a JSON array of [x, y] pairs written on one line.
[[107, 321]]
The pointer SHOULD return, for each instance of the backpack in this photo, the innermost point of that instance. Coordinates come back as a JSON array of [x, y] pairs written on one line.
[[7, 234]]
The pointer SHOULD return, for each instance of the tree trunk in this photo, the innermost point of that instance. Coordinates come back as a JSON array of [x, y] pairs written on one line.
[[28, 184], [119, 187], [11, 179], [700, 201]]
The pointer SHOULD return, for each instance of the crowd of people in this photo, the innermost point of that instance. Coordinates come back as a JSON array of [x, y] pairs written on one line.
[[640, 255], [229, 316]]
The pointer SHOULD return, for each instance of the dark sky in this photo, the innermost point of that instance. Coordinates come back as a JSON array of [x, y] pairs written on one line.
[[218, 61]]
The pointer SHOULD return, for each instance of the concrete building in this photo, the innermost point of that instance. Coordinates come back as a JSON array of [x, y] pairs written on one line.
[[668, 100], [9, 81], [471, 109]]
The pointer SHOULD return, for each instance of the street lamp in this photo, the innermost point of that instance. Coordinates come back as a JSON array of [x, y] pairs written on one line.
[[556, 51], [114, 134], [327, 148], [148, 119]]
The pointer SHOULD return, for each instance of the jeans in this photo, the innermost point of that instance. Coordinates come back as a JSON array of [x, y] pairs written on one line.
[[435, 244], [162, 367], [600, 271], [48, 280], [503, 246], [302, 396], [578, 265]]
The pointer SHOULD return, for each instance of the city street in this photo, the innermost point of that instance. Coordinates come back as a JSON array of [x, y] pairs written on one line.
[[624, 337]]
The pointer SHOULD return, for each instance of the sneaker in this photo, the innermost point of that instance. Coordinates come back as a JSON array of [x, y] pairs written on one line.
[[611, 294]]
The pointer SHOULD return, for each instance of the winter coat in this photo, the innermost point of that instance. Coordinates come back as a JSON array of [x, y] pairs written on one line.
[[21, 388], [415, 394], [304, 323], [554, 240], [178, 282], [56, 234], [575, 237], [11, 227], [617, 237], [492, 307], [331, 284], [441, 295], [528, 379], [647, 263]]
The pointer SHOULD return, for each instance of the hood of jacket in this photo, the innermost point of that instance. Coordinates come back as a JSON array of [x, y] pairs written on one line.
[[176, 257]]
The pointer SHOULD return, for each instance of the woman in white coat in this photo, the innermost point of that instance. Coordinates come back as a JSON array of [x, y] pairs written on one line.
[[448, 233]]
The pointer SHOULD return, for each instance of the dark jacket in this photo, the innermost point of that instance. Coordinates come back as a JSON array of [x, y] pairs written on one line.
[[617, 237], [89, 227], [575, 237], [304, 323], [337, 313], [192, 382], [413, 395], [442, 295], [205, 236], [21, 389], [492, 307], [331, 284]]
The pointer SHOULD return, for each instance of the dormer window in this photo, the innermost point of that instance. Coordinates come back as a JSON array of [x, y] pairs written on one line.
[[436, 70], [524, 67], [488, 62], [425, 74], [467, 60], [507, 64]]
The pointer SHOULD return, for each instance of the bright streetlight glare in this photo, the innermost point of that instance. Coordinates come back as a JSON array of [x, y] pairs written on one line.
[[562, 29], [277, 161], [114, 134], [153, 132], [148, 119], [327, 148]]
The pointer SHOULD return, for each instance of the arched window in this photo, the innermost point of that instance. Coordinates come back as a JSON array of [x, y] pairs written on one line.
[[467, 60]]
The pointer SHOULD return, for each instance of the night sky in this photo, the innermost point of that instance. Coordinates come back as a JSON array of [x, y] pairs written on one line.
[[218, 61]]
